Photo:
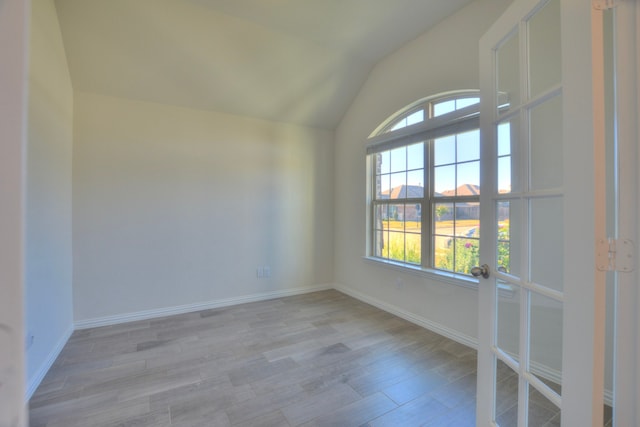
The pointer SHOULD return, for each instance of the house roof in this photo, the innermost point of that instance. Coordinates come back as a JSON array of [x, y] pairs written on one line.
[[297, 61], [463, 190], [416, 191], [403, 192]]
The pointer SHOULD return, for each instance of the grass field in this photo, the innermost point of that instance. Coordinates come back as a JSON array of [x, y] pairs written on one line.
[[456, 245]]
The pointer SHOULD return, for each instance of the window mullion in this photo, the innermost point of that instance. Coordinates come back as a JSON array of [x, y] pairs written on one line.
[[427, 224]]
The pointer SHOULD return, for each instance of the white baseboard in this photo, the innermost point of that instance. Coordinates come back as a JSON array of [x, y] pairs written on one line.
[[411, 317], [188, 308], [539, 369], [35, 381]]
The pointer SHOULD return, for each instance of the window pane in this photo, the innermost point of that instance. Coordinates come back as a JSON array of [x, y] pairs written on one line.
[[504, 139], [383, 183], [399, 159], [504, 175], [468, 146], [443, 214], [467, 219], [465, 102], [444, 150], [444, 181], [504, 214], [381, 227], [466, 255], [415, 187], [396, 246], [402, 123], [443, 253], [398, 185], [508, 179], [416, 117], [468, 179], [384, 164], [413, 243], [444, 232], [415, 156], [444, 107]]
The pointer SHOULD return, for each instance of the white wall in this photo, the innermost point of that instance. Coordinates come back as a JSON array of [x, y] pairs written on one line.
[[174, 207], [14, 30], [443, 59], [48, 269]]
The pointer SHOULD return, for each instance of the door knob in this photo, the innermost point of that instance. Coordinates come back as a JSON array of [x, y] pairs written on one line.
[[480, 271]]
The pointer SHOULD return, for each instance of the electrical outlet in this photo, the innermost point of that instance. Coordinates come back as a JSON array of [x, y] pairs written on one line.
[[263, 272]]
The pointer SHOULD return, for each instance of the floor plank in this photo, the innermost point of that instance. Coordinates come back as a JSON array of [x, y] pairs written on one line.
[[320, 359]]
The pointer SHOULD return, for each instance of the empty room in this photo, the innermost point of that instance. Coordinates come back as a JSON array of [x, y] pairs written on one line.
[[319, 213]]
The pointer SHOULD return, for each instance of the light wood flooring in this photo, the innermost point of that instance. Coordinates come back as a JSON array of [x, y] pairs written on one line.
[[320, 359]]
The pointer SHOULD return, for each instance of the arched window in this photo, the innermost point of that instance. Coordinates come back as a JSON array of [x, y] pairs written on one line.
[[423, 166]]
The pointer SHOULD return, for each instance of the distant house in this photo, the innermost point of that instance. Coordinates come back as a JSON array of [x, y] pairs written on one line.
[[404, 211], [412, 212]]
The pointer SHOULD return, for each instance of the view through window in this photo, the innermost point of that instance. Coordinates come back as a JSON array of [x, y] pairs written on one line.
[[424, 207]]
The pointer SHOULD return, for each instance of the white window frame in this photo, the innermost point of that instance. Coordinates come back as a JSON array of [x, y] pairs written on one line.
[[383, 138]]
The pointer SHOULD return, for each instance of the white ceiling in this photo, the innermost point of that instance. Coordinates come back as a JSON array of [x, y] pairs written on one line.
[[298, 61]]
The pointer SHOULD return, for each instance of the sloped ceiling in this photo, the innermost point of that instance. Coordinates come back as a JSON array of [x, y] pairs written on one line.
[[298, 61]]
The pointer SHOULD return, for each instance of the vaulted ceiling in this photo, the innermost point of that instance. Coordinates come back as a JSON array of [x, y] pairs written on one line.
[[298, 61]]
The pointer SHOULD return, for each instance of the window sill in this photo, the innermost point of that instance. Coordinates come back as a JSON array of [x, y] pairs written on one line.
[[433, 274]]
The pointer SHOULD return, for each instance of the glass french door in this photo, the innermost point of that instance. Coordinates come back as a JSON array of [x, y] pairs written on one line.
[[530, 179]]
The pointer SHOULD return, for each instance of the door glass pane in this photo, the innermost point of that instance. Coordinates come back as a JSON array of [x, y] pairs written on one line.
[[508, 319], [544, 48], [509, 240], [546, 242], [508, 68], [546, 340], [542, 412], [546, 145], [506, 409], [508, 180]]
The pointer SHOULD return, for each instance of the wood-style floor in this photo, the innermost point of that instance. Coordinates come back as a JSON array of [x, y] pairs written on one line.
[[320, 359]]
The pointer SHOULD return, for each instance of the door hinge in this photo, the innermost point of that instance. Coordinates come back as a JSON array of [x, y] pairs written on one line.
[[603, 4], [615, 255]]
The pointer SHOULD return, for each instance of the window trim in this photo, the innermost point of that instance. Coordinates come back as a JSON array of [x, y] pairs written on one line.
[[382, 139]]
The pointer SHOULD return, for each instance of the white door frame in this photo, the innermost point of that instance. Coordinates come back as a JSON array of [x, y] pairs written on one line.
[[584, 221], [627, 333], [14, 49], [584, 320]]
